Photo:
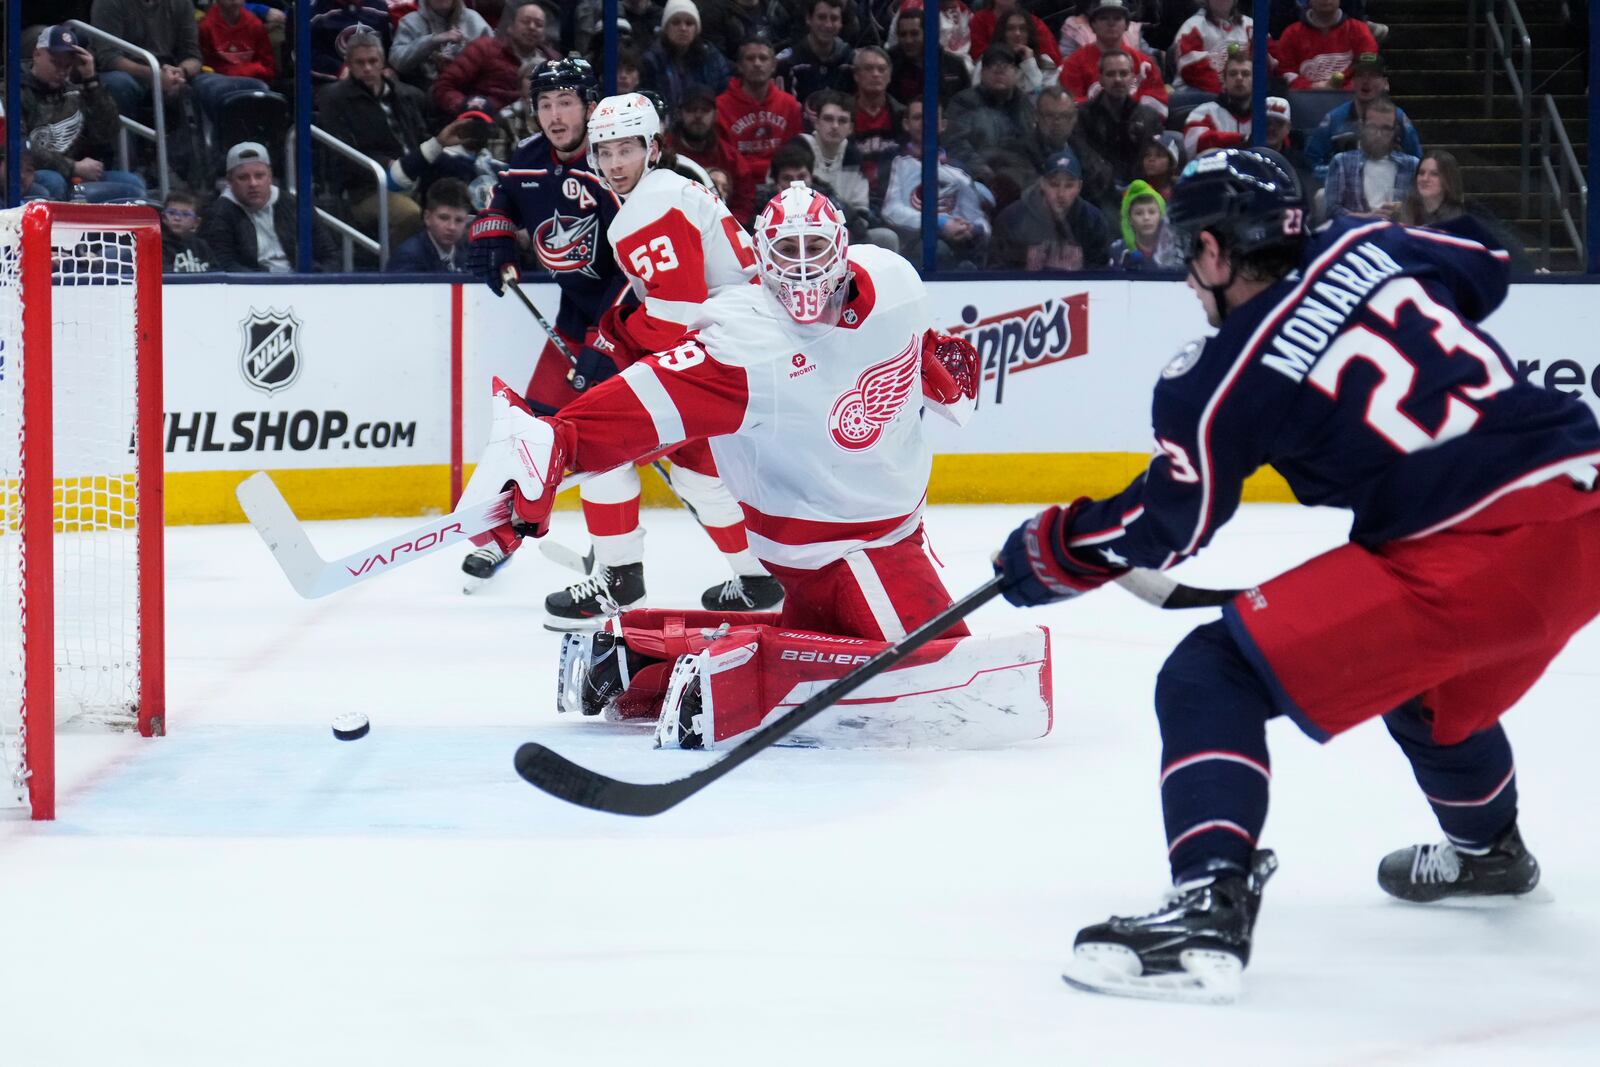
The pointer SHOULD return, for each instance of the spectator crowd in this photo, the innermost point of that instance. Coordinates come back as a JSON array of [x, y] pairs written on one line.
[[1061, 126]]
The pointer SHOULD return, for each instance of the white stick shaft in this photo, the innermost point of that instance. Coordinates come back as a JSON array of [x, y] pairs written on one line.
[[312, 576]]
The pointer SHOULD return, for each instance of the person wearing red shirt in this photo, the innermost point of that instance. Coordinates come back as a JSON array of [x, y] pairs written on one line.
[[695, 136], [1080, 74], [877, 114], [234, 42], [1319, 51], [755, 114], [985, 23]]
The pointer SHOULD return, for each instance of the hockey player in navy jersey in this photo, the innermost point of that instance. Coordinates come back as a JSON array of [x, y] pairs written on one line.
[[1352, 363], [549, 191]]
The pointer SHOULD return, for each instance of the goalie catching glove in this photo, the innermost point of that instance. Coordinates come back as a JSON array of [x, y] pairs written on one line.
[[1039, 565], [949, 368], [526, 454]]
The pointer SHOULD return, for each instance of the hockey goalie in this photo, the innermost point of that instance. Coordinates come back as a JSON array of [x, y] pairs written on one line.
[[810, 389]]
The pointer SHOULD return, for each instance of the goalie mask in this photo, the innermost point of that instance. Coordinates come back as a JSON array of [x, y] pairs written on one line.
[[803, 253], [620, 121]]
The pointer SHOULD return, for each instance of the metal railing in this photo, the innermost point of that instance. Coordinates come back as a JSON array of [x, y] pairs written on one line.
[[1504, 28], [1560, 176], [381, 187], [157, 105]]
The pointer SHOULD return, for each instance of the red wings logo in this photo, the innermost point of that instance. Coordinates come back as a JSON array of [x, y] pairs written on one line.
[[860, 415]]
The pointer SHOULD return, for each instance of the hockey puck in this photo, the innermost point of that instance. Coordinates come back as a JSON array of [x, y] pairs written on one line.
[[351, 726]]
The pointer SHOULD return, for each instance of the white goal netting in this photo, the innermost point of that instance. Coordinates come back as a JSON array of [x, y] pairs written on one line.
[[94, 479]]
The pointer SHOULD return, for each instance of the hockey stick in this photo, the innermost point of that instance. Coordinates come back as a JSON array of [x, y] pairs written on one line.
[[313, 576], [560, 343], [560, 777], [1154, 587]]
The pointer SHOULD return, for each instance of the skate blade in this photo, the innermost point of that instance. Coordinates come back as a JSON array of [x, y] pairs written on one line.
[[570, 674], [561, 625], [1208, 977], [470, 585]]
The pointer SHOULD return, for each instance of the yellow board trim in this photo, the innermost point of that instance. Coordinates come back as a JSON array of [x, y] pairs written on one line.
[[194, 497]]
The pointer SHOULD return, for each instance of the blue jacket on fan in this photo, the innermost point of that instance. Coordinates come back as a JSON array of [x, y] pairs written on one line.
[[567, 210], [419, 255], [1364, 381]]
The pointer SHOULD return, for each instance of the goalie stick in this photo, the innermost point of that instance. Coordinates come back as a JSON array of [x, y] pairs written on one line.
[[313, 576]]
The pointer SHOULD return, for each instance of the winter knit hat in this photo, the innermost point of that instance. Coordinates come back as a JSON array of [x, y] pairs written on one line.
[[1137, 189], [680, 7]]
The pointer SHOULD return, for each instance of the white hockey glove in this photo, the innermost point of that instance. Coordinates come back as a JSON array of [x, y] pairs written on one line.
[[526, 454]]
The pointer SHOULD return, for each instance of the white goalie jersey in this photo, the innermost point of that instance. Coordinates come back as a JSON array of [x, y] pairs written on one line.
[[817, 430]]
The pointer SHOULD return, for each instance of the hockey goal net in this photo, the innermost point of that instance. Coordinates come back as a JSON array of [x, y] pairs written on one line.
[[80, 484]]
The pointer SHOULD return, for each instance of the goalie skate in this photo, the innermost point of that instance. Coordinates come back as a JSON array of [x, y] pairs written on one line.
[[679, 725], [1192, 950], [593, 673]]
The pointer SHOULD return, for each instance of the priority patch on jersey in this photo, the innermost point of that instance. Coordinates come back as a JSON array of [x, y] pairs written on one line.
[[1184, 361]]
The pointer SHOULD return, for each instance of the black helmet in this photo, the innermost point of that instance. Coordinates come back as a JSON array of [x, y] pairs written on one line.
[[1250, 198], [660, 104], [573, 74]]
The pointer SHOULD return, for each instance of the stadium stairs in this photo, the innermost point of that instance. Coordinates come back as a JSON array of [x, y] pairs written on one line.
[[1441, 87]]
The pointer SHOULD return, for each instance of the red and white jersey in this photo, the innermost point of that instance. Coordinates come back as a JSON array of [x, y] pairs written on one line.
[[1203, 46], [678, 245], [1306, 55], [816, 430], [1212, 125]]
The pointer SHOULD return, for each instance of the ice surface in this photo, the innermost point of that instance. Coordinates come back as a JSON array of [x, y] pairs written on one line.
[[249, 890]]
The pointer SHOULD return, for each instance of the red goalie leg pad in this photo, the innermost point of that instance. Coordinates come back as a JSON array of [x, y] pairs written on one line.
[[663, 633], [962, 692]]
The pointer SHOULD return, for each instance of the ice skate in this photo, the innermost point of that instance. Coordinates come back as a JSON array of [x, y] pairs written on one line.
[[595, 669], [1426, 873], [1194, 949], [747, 592], [481, 564], [679, 725], [585, 605]]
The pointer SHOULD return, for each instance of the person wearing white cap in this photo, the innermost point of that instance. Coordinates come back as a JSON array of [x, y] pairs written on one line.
[[681, 57], [252, 226]]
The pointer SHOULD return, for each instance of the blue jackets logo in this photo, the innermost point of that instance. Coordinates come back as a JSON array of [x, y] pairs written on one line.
[[270, 359], [566, 243]]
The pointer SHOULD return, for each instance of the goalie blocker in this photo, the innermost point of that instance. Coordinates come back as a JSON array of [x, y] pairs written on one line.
[[708, 679]]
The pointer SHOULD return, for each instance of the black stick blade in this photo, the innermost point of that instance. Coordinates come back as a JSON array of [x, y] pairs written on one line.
[[1188, 596], [552, 772]]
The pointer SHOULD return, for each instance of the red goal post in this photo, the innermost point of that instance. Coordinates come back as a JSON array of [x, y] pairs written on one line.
[[81, 572]]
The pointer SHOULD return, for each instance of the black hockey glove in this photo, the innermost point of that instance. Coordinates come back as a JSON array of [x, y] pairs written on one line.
[[1038, 565], [593, 368], [491, 248]]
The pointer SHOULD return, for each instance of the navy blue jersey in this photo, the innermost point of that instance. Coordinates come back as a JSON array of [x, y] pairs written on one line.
[[1365, 382], [566, 209]]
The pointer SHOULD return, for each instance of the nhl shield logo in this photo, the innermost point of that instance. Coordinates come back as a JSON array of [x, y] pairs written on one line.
[[270, 357]]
